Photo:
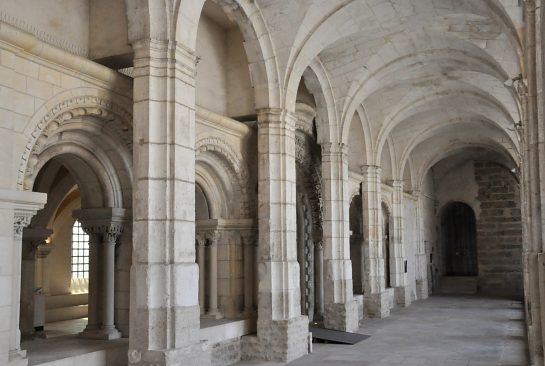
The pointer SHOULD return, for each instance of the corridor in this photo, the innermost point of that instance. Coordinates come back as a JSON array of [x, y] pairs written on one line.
[[439, 331]]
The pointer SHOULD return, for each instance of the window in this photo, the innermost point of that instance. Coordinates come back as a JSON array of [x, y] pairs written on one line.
[[80, 252]]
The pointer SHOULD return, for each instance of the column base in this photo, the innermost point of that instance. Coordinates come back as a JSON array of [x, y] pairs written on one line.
[[277, 340], [377, 305], [343, 316], [100, 334], [192, 355], [213, 314], [422, 289], [403, 296]]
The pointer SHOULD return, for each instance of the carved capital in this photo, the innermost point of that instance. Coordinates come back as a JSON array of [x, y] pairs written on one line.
[[200, 238], [334, 149], [106, 223], [20, 221], [270, 119], [213, 236]]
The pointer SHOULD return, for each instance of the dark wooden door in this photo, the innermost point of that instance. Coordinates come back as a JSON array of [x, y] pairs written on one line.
[[460, 239]]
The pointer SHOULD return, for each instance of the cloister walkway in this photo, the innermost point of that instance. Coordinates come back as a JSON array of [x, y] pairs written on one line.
[[439, 331]]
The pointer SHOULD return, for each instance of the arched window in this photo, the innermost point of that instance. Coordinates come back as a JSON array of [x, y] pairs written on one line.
[[80, 252]]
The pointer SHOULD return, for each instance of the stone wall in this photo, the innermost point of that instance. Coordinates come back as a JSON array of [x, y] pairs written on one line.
[[499, 231]]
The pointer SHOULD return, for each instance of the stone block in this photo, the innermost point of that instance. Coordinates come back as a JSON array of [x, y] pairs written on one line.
[[277, 340], [377, 305], [342, 316]]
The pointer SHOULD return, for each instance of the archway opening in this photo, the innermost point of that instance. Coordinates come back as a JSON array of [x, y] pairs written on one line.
[[357, 254], [386, 245], [459, 234]]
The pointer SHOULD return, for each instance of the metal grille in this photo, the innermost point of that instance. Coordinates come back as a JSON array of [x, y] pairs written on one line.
[[80, 252]]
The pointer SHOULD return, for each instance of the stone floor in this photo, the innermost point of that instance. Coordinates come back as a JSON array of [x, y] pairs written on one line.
[[440, 331]]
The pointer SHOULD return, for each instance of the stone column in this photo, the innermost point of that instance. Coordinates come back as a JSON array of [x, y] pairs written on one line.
[[103, 225], [421, 257], [91, 330], [376, 300], [340, 308], [319, 278], [213, 311], [16, 210], [32, 238], [282, 332], [248, 245], [201, 260], [165, 313], [397, 252], [109, 238]]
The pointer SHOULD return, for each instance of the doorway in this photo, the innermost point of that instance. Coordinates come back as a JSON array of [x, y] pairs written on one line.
[[459, 239]]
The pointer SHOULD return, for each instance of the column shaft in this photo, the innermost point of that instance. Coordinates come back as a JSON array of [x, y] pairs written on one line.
[[319, 278], [340, 308], [213, 311], [201, 258], [108, 328], [282, 331], [376, 300], [397, 252], [249, 257], [94, 281], [164, 324]]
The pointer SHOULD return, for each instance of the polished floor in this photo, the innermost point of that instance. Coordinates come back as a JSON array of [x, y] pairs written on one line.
[[440, 331]]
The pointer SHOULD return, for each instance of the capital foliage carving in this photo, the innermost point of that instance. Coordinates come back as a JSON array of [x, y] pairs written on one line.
[[20, 221], [109, 231]]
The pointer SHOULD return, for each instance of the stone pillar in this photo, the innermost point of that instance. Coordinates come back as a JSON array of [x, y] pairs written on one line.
[[376, 299], [103, 225], [93, 325], [16, 210], [213, 311], [43, 282], [421, 257], [248, 245], [319, 278], [164, 323], [109, 238], [282, 332], [340, 308], [397, 252], [201, 260], [32, 238]]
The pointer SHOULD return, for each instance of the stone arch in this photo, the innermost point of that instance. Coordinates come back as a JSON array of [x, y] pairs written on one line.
[[251, 22], [64, 108], [221, 153]]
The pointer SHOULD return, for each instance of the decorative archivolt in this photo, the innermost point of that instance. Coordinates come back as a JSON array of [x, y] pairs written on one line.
[[235, 166], [117, 118]]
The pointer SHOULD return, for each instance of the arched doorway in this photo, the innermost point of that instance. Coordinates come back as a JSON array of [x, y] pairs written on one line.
[[459, 240], [386, 244], [357, 254]]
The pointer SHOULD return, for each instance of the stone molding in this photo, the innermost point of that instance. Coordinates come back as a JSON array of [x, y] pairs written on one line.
[[235, 164], [42, 35], [276, 118], [115, 116], [162, 55]]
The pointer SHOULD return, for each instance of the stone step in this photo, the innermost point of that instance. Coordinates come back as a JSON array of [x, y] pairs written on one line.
[[464, 285]]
